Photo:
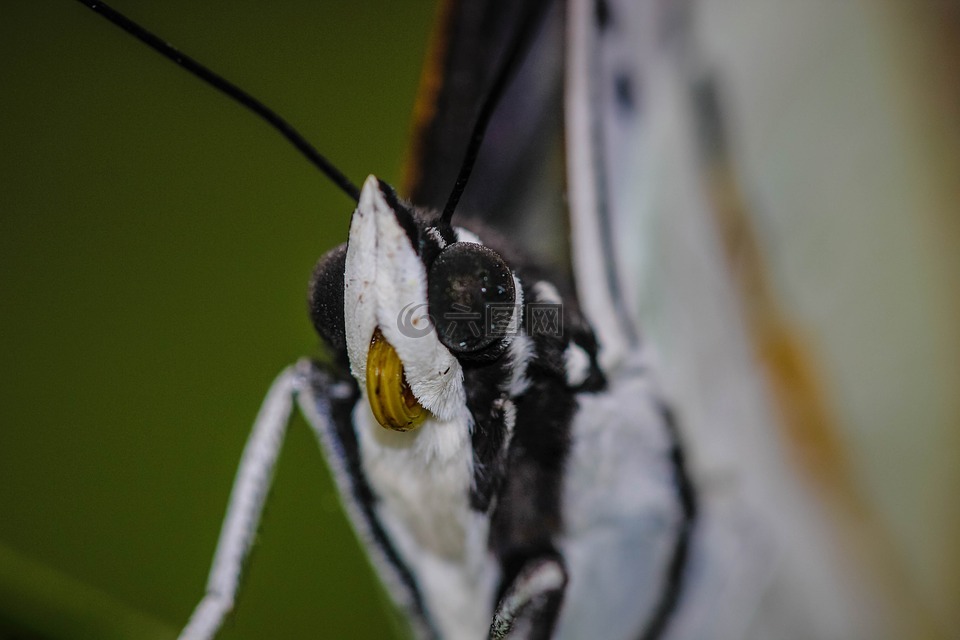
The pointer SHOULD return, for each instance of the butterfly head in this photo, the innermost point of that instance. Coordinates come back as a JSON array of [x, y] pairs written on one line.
[[409, 302]]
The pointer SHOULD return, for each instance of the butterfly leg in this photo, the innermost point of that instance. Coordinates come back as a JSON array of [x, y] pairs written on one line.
[[250, 488], [530, 604], [527, 517], [327, 400]]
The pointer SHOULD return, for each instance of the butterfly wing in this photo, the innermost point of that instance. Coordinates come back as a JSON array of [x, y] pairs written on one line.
[[683, 227], [704, 130], [515, 186]]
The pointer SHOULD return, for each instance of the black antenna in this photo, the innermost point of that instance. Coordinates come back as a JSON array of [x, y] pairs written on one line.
[[530, 20], [233, 91]]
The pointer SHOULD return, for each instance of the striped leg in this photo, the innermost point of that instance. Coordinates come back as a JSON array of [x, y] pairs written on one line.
[[531, 603], [247, 498]]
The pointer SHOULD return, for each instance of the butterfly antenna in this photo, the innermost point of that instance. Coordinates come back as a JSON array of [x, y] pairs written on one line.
[[530, 21], [233, 91]]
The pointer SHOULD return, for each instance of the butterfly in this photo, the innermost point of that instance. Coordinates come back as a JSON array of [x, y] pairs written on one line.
[[469, 390], [750, 548]]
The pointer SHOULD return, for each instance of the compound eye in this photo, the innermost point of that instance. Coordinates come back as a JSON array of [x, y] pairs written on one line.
[[471, 291]]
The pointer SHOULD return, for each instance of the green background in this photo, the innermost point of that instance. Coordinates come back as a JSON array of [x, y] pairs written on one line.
[[155, 248]]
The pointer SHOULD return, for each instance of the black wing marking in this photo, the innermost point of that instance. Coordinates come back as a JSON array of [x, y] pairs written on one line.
[[327, 401], [516, 184], [679, 559], [603, 109], [611, 42]]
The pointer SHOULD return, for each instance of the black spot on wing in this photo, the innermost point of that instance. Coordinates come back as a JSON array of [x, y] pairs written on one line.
[[709, 119], [624, 93], [601, 13]]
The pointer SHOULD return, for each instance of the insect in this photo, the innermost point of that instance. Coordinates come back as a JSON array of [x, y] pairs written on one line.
[[500, 529], [398, 339]]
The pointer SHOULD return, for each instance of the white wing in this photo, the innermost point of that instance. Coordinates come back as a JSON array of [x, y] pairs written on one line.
[[781, 219]]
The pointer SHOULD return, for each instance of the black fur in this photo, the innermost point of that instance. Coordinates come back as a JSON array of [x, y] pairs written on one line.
[[485, 400], [325, 300]]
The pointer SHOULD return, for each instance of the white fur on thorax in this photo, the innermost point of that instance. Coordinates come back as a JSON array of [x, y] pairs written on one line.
[[544, 291], [426, 513], [464, 235], [520, 351], [577, 364]]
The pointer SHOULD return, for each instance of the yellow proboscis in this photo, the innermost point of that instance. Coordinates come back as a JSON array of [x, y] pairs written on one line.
[[391, 400]]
